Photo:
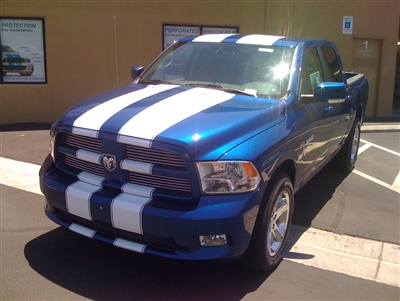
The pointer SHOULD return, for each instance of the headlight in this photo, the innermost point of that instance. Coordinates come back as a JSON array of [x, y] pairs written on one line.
[[228, 177], [51, 147], [52, 140]]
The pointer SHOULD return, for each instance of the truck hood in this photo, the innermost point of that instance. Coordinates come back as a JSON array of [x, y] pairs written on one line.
[[207, 123]]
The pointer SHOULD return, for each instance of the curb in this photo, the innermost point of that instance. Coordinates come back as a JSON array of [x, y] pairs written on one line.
[[379, 127], [354, 256]]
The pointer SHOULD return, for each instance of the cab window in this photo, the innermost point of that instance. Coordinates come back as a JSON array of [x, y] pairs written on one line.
[[331, 64], [311, 71]]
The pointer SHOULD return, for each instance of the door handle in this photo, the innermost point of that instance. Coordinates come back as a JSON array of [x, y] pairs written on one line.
[[328, 109]]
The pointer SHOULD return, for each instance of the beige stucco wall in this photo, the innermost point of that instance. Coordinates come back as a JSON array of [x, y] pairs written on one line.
[[91, 46], [323, 19]]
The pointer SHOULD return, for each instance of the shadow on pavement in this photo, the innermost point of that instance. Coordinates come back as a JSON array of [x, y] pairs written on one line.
[[315, 194], [100, 271]]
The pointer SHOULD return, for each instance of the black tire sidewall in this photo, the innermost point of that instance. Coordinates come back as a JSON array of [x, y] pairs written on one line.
[[262, 261], [283, 184], [348, 162]]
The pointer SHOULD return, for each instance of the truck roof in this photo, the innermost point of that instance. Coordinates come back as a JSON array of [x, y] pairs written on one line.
[[252, 39]]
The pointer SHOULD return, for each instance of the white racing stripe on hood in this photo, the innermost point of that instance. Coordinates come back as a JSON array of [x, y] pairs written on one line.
[[93, 119], [159, 117]]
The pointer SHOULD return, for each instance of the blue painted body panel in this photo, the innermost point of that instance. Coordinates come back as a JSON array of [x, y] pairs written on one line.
[[204, 125]]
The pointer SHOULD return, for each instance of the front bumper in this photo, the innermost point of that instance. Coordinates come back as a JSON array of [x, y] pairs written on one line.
[[17, 67], [163, 232]]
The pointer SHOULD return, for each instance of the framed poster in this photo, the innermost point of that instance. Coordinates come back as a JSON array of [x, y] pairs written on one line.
[[23, 55], [219, 30], [172, 33]]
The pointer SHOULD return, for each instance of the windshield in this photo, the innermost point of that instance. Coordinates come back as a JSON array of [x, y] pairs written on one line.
[[261, 71], [5, 48]]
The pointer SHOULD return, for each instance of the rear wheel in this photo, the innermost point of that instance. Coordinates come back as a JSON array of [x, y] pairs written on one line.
[[347, 156], [272, 226]]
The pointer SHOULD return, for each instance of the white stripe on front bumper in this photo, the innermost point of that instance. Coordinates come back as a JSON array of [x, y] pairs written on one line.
[[126, 212], [129, 245], [82, 230], [77, 197], [138, 190]]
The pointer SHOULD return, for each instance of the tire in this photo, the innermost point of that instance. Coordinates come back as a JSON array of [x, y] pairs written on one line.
[[272, 226], [346, 159]]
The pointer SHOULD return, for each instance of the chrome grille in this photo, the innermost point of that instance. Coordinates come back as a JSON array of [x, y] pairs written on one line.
[[160, 181], [170, 162], [84, 165], [153, 156], [81, 142]]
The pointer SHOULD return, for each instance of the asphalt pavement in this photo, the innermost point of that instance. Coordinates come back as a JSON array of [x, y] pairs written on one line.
[[344, 244]]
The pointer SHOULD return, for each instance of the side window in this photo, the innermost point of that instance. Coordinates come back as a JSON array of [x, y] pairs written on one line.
[[331, 63], [311, 71]]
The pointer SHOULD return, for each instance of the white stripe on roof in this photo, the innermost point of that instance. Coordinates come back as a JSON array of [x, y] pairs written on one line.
[[257, 39], [216, 38]]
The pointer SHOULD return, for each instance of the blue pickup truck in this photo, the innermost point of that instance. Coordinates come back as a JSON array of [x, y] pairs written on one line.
[[200, 156]]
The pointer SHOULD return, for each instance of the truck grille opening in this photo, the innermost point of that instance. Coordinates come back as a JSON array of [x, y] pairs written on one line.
[[82, 165], [154, 156], [160, 181], [85, 143], [172, 164]]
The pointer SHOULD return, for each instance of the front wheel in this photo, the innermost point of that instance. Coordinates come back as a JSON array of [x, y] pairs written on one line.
[[272, 226]]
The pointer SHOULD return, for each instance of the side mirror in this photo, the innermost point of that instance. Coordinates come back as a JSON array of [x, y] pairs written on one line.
[[136, 71], [331, 92]]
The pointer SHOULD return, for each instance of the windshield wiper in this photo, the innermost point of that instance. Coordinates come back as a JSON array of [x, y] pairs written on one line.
[[239, 92], [155, 82], [221, 87], [215, 86]]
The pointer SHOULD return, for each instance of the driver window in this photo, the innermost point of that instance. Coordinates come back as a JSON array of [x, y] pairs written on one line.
[[311, 72]]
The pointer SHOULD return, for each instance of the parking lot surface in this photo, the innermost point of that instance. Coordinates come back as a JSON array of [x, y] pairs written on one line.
[[344, 243]]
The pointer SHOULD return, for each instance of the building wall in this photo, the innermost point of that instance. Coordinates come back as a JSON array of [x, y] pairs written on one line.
[[91, 46], [376, 20]]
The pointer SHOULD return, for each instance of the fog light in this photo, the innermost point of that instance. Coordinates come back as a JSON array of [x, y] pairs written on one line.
[[213, 240]]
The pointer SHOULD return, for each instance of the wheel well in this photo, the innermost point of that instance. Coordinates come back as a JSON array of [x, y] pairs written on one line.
[[288, 168], [360, 114]]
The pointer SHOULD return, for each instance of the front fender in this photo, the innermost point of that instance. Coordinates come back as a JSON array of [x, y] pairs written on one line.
[[268, 150]]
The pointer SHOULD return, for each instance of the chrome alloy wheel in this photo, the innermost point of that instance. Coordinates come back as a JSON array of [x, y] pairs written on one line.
[[278, 224]]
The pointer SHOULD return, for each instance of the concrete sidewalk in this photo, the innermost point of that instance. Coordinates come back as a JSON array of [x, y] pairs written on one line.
[[374, 126], [359, 257]]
